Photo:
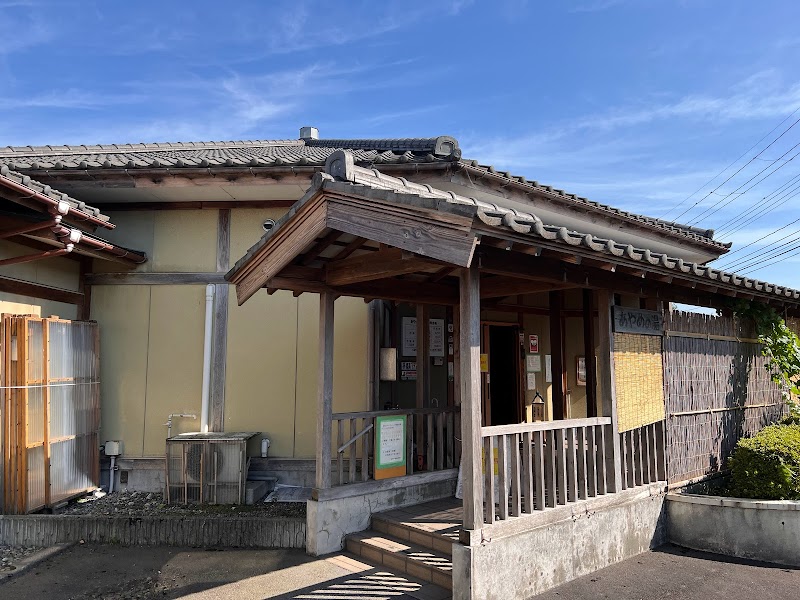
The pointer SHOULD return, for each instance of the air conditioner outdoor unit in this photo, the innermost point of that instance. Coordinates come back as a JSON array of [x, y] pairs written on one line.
[[207, 468]]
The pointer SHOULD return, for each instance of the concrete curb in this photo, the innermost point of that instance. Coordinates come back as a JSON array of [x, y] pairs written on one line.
[[31, 561], [168, 530]]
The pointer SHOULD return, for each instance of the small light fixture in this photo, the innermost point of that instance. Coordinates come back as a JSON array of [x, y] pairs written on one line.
[[268, 224]]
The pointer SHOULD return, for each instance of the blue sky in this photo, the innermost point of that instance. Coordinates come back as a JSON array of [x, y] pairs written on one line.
[[638, 104]]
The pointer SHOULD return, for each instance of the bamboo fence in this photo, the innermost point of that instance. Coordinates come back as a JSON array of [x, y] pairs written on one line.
[[716, 389]]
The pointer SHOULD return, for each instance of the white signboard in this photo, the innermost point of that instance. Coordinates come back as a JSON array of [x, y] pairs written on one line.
[[392, 442], [548, 368], [409, 336], [436, 329], [531, 381], [533, 363]]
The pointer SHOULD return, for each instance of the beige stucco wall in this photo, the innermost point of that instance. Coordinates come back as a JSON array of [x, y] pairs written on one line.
[[56, 272], [152, 342]]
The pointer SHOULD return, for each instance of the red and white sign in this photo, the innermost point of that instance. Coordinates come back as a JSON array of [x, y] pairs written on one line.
[[533, 344]]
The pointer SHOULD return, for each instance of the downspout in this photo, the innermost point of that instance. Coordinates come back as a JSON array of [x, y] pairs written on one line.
[[204, 408]]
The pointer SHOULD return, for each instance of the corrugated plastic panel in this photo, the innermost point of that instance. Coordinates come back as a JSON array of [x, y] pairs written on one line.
[[36, 481]]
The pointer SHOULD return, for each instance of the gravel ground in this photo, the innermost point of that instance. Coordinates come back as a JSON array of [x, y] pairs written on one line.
[[10, 556], [141, 504]]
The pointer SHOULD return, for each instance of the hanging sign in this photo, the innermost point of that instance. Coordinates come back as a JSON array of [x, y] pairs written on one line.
[[436, 345], [390, 446], [409, 333], [637, 320], [548, 368], [533, 363], [533, 344]]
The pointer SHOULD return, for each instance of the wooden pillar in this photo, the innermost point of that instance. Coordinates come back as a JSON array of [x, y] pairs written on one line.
[[219, 339], [607, 385], [470, 362], [589, 353], [325, 391], [557, 355], [422, 378]]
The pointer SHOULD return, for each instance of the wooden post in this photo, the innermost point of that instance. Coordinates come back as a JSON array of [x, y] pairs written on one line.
[[422, 377], [219, 351], [557, 355], [607, 385], [325, 391], [470, 340], [589, 353]]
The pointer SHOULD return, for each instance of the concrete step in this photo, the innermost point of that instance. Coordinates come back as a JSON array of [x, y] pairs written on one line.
[[261, 476], [411, 533], [403, 556], [254, 491]]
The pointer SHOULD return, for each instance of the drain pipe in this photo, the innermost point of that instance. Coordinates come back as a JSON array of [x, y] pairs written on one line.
[[207, 359]]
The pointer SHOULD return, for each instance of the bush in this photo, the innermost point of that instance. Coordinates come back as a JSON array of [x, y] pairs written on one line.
[[767, 465]]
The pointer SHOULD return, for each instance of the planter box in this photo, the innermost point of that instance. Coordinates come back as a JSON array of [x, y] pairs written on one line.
[[766, 530]]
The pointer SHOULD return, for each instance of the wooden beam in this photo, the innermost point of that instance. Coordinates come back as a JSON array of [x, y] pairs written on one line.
[[607, 388], [10, 285], [442, 273], [320, 247], [589, 353], [557, 356], [472, 443], [351, 247], [435, 234], [155, 278], [502, 286], [85, 307], [324, 392], [377, 265], [192, 205]]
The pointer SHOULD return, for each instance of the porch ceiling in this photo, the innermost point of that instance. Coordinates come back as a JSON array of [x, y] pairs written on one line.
[[358, 232]]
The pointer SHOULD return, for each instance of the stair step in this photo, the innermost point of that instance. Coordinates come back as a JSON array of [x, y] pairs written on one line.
[[403, 556], [414, 534]]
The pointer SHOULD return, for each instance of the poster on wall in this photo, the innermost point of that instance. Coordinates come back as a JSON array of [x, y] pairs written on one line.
[[533, 344], [409, 336], [408, 371], [548, 368], [533, 363], [436, 345], [390, 446], [531, 382], [580, 370]]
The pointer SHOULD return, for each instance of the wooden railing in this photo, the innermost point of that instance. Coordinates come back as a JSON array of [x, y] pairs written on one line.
[[546, 464], [432, 442], [642, 453]]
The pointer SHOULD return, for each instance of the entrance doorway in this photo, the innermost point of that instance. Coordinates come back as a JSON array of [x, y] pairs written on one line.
[[501, 389]]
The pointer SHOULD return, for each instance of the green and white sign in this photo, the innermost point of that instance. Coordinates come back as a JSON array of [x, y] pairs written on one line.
[[390, 443]]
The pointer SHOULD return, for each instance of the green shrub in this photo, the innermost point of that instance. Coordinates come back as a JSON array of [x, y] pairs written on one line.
[[767, 465]]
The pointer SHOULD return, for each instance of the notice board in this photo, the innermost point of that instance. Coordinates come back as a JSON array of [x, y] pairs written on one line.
[[390, 446]]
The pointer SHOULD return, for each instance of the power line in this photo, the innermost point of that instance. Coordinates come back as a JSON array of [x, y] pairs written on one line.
[[713, 208], [745, 165], [760, 256], [735, 221], [729, 254], [685, 200], [776, 203], [774, 260]]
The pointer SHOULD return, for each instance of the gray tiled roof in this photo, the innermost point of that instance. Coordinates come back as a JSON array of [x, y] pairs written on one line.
[[343, 176], [311, 153], [7, 174]]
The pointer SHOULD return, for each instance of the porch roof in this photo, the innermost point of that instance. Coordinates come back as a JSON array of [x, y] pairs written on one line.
[[357, 229]]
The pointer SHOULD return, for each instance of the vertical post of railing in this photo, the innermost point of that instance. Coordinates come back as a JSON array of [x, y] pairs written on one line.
[[325, 391], [613, 466], [470, 341]]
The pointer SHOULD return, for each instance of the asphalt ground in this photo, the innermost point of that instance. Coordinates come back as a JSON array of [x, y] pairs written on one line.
[[143, 573], [673, 573]]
